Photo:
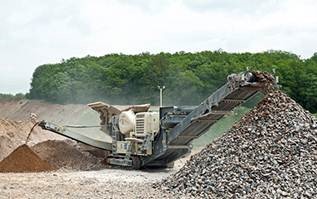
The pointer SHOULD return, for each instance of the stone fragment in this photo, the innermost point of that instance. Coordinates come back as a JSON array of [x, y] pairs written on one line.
[[270, 153]]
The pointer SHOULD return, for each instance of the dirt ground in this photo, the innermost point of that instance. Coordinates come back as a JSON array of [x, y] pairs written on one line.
[[107, 183]]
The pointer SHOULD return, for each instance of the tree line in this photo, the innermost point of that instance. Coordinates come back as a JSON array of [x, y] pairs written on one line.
[[11, 97], [188, 77]]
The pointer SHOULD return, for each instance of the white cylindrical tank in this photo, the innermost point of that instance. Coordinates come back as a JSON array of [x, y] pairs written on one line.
[[126, 121]]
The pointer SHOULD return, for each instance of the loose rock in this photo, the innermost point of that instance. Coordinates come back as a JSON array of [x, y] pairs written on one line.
[[270, 153]]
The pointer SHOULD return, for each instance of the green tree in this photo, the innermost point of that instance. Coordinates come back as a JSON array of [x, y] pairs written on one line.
[[188, 77]]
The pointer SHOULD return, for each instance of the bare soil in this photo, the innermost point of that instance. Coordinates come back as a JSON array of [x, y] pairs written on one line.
[[106, 183], [93, 184], [14, 134], [23, 159], [64, 154]]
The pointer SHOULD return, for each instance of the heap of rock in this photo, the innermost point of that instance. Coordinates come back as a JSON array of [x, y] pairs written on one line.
[[270, 153], [64, 154], [23, 159]]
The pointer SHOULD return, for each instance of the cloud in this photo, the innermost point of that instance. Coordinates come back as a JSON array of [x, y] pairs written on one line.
[[34, 32]]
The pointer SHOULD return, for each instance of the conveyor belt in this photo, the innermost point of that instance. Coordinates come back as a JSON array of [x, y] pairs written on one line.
[[220, 103], [203, 118], [238, 89], [75, 136]]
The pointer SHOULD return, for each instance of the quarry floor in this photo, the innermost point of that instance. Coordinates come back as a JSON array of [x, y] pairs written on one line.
[[106, 183]]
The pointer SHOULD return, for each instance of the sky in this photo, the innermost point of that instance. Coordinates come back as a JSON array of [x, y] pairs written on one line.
[[35, 32]]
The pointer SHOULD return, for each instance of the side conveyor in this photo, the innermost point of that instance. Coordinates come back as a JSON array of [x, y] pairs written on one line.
[[238, 89], [75, 136], [209, 113]]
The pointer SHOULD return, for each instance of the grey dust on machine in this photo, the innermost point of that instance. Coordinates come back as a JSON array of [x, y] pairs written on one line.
[[142, 138]]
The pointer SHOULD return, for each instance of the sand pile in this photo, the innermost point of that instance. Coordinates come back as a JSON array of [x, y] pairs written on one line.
[[46, 147], [270, 153], [14, 133], [23, 159], [66, 154]]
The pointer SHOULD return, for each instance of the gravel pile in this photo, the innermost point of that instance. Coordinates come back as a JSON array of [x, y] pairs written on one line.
[[270, 153], [65, 154]]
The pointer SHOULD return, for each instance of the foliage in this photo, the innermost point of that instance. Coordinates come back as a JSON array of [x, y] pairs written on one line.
[[188, 77], [10, 97]]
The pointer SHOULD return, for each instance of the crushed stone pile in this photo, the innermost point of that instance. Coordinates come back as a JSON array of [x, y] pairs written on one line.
[[270, 153], [23, 159], [65, 154]]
